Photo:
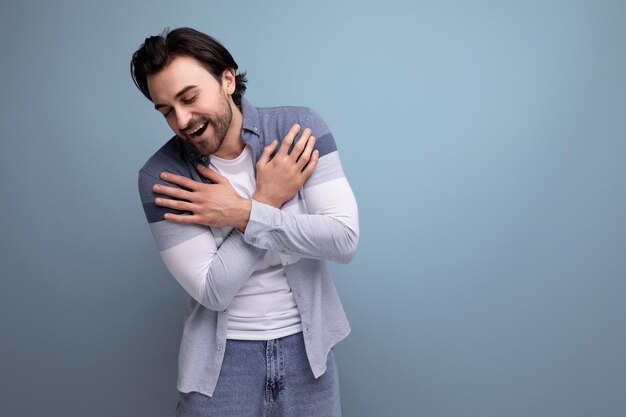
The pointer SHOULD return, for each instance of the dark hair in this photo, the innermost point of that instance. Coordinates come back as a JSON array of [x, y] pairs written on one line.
[[158, 51]]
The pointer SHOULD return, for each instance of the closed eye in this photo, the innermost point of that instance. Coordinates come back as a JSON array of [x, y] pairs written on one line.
[[186, 102], [189, 100]]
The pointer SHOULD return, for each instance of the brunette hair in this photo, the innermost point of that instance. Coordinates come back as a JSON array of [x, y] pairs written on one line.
[[158, 51]]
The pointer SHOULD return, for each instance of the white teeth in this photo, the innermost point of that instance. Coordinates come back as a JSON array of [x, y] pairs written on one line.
[[191, 132]]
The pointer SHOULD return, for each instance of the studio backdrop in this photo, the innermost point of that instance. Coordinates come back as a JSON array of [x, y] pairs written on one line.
[[486, 145]]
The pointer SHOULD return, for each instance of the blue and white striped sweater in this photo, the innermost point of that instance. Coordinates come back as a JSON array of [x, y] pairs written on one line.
[[320, 223]]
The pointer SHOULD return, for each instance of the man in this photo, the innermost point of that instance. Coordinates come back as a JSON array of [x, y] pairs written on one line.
[[245, 223]]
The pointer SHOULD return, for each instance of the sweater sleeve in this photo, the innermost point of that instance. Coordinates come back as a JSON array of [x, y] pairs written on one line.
[[330, 228], [212, 275]]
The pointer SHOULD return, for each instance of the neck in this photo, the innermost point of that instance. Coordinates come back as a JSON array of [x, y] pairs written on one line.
[[233, 144]]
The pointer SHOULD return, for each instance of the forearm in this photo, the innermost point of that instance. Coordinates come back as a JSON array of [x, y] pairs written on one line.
[[213, 277], [306, 235], [209, 270], [329, 230], [234, 262]]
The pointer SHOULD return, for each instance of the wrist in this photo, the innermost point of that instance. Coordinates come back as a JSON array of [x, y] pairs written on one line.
[[262, 198], [241, 216]]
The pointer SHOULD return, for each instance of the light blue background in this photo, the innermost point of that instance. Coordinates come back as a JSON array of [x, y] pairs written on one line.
[[486, 144]]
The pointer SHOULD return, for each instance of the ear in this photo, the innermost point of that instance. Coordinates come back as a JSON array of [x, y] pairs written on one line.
[[228, 80]]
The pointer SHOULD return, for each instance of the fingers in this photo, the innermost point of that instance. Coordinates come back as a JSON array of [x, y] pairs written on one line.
[[267, 153], [302, 149], [288, 140], [181, 218], [180, 205], [184, 182], [310, 166], [305, 155], [171, 191], [305, 138], [211, 174]]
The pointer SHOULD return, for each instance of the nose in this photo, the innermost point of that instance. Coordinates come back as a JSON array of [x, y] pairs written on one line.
[[183, 117]]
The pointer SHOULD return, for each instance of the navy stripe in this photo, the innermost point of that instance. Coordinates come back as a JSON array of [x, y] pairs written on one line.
[[155, 213], [325, 144]]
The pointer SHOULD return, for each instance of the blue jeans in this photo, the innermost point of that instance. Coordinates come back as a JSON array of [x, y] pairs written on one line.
[[267, 379]]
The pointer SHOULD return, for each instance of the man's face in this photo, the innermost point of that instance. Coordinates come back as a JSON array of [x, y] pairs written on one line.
[[196, 106]]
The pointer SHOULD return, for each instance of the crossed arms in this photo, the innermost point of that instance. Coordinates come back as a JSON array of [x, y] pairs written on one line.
[[211, 263], [218, 204]]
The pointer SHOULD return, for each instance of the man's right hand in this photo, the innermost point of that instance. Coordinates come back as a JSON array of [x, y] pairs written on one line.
[[278, 179]]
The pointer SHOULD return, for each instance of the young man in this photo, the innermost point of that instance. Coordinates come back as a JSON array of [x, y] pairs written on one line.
[[245, 205]]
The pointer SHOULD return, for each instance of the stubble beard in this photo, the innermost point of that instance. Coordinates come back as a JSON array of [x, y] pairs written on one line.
[[220, 123]]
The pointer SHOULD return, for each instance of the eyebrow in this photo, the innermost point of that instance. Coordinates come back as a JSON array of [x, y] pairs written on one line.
[[177, 96]]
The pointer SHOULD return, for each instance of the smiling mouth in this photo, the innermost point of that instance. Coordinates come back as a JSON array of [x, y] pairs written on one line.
[[197, 131]]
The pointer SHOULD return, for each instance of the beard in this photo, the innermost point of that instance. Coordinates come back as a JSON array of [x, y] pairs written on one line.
[[219, 122]]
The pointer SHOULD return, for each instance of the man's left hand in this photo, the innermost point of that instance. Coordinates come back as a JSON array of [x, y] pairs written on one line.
[[216, 204]]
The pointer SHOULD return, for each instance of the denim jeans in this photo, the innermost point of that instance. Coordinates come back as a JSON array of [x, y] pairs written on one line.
[[267, 379]]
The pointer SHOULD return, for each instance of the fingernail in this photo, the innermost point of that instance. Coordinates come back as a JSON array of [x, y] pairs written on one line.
[[158, 201], [164, 175], [297, 126], [156, 187]]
